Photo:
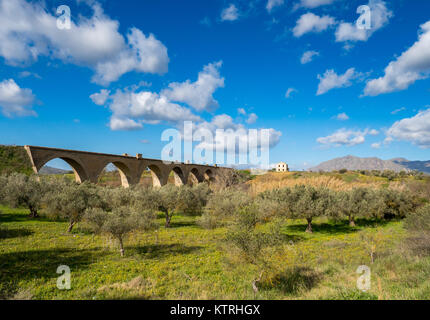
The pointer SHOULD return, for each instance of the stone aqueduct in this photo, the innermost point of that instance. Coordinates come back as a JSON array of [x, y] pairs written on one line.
[[88, 166]]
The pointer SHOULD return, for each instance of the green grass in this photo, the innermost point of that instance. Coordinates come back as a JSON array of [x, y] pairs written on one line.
[[188, 262]]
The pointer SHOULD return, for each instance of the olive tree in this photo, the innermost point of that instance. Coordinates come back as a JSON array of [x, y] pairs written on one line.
[[119, 222], [20, 190], [250, 240], [354, 203], [311, 202], [69, 200], [222, 205]]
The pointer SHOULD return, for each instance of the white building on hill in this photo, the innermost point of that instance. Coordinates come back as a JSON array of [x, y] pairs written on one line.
[[282, 167]]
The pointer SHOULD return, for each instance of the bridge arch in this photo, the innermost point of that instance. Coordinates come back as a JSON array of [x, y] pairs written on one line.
[[123, 170], [209, 175], [179, 175], [194, 176], [79, 171], [158, 178]]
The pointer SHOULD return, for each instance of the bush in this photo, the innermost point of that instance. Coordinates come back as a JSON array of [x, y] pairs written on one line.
[[398, 203], [223, 205], [69, 200], [120, 222], [311, 202], [354, 203], [20, 190], [418, 224]]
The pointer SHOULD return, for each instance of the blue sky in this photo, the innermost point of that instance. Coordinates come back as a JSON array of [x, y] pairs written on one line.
[[127, 70]]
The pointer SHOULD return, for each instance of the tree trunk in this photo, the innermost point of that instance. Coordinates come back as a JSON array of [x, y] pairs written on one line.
[[168, 218], [33, 212], [254, 284], [351, 221], [309, 228], [69, 229], [121, 247]]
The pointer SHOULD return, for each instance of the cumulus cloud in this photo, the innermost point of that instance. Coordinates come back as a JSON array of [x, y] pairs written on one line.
[[376, 145], [331, 80], [14, 100], [342, 116], [345, 137], [28, 31], [252, 118], [100, 98], [310, 22], [289, 92], [412, 65], [313, 3], [232, 131], [380, 16], [308, 56], [415, 130], [231, 13], [273, 3], [198, 94]]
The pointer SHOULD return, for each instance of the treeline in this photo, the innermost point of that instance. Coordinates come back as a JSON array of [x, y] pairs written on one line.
[[118, 211]]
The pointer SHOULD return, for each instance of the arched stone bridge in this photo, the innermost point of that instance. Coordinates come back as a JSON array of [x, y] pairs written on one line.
[[88, 166]]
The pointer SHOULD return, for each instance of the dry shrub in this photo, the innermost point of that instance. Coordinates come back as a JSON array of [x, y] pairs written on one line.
[[281, 180], [135, 287]]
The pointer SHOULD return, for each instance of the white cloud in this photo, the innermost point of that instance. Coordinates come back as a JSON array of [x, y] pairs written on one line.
[[130, 109], [308, 56], [231, 13], [289, 92], [232, 131], [101, 97], [310, 22], [344, 137], [380, 16], [415, 130], [398, 110], [198, 94], [314, 3], [330, 80], [376, 145], [412, 65], [28, 31], [252, 118], [373, 132], [273, 3], [241, 111], [342, 116], [15, 101]]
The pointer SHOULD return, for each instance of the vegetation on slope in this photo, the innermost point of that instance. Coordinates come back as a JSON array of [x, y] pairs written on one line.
[[14, 159]]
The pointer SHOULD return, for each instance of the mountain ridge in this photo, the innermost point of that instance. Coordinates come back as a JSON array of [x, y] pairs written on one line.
[[351, 162]]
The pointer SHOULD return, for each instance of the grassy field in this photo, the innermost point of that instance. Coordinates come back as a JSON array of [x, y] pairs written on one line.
[[188, 262]]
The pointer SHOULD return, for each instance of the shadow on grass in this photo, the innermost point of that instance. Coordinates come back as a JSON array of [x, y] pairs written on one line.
[[7, 233], [180, 224], [328, 228], [292, 238], [19, 217], [162, 250], [293, 280], [40, 264]]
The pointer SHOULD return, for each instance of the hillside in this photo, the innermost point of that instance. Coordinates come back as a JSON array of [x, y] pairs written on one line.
[[357, 163], [14, 159], [51, 170]]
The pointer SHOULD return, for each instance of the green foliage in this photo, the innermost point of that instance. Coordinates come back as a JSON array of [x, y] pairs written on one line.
[[14, 159], [311, 202], [355, 203], [22, 190], [398, 203], [420, 220], [69, 200], [250, 240], [120, 222], [223, 205]]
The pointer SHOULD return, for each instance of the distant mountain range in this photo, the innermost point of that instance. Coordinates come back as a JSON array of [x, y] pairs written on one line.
[[50, 170], [357, 163]]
